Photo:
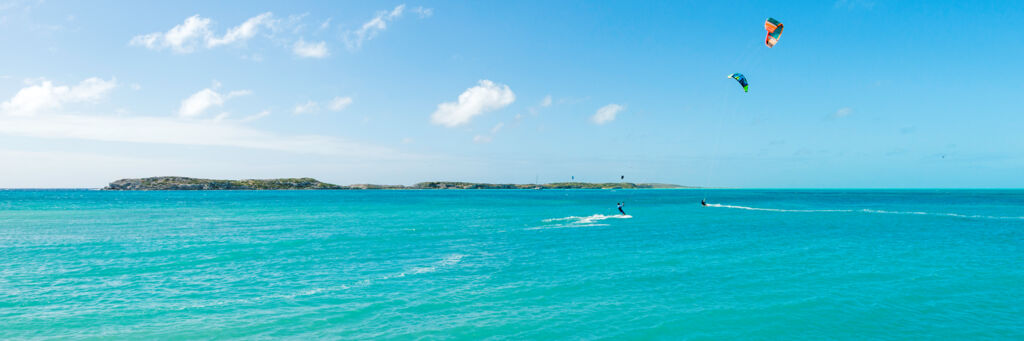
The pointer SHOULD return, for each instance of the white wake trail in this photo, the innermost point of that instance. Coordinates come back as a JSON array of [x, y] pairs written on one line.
[[577, 221], [873, 211], [773, 209]]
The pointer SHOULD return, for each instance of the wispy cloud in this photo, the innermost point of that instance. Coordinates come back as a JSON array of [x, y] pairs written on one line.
[[310, 50], [489, 137], [256, 116], [35, 111], [842, 112], [354, 39], [339, 103], [486, 96], [607, 113], [196, 31], [423, 12], [174, 131], [182, 38], [42, 96], [546, 102], [243, 32], [204, 99], [335, 104], [306, 108]]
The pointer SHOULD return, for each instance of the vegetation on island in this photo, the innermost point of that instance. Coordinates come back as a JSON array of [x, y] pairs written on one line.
[[557, 185], [177, 183], [172, 183]]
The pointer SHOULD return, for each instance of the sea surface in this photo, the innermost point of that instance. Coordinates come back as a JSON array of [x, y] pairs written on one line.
[[512, 264]]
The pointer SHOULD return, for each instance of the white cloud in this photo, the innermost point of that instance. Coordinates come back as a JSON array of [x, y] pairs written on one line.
[[842, 112], [354, 39], [195, 32], [546, 102], [481, 139], [205, 99], [339, 103], [487, 96], [310, 50], [423, 12], [307, 107], [243, 32], [335, 104], [497, 128], [42, 95], [182, 38], [607, 113], [199, 102]]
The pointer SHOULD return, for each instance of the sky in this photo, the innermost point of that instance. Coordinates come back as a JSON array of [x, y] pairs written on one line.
[[856, 94]]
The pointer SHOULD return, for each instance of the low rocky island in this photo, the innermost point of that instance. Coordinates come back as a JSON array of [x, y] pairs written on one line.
[[556, 185], [177, 183]]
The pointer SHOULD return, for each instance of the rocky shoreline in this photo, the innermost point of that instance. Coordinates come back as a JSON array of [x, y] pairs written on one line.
[[177, 183]]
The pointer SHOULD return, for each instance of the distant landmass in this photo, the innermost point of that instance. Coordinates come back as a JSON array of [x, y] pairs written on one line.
[[177, 183]]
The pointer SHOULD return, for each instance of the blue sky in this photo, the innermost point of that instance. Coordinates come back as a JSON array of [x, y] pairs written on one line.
[[856, 93]]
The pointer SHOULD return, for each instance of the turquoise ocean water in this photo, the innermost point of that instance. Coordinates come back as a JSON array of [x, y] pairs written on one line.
[[551, 264]]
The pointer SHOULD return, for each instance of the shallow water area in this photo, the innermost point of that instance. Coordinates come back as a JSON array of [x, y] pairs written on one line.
[[471, 264]]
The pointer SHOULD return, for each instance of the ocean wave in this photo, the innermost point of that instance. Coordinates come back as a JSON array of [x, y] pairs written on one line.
[[873, 211]]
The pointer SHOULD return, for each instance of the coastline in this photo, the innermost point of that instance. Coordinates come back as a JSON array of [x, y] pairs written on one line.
[[176, 183]]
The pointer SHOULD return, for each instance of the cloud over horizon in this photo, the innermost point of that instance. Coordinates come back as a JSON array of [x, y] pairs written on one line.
[[43, 95], [36, 111], [175, 131]]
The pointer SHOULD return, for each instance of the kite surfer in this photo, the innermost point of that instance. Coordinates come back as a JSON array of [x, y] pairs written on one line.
[[620, 209]]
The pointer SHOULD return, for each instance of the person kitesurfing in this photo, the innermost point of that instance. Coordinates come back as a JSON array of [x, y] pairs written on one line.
[[620, 209], [703, 203]]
